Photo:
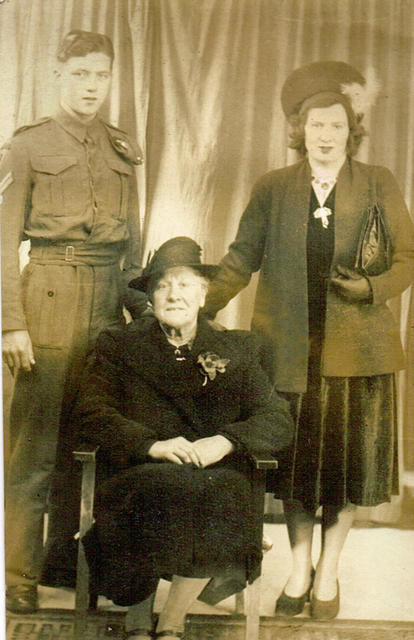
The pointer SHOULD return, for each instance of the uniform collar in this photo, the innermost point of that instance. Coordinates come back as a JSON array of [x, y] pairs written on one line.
[[74, 125]]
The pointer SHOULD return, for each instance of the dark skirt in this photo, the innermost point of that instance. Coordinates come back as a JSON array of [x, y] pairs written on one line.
[[345, 444], [156, 520]]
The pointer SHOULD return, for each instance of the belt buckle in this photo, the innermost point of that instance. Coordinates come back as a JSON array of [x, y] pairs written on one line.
[[69, 253]]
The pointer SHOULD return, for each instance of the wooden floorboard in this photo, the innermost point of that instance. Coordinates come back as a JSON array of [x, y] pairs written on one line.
[[51, 624]]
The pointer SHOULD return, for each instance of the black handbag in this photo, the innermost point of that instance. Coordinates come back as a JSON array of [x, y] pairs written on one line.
[[374, 252]]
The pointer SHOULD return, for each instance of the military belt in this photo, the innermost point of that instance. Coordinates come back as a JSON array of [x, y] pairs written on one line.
[[75, 255]]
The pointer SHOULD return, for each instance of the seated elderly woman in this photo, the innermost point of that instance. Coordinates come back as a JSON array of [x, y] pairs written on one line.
[[177, 407]]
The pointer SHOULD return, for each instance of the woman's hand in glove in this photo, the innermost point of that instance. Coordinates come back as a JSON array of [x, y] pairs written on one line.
[[351, 285]]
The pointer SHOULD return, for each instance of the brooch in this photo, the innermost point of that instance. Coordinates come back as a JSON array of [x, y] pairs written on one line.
[[323, 213], [210, 363]]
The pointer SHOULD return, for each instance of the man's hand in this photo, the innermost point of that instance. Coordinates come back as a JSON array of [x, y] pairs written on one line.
[[351, 285], [17, 351], [212, 449], [178, 450]]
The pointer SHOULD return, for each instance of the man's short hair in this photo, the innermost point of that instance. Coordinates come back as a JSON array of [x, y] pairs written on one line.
[[78, 43]]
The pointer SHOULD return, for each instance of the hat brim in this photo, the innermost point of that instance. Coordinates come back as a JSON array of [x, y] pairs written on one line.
[[207, 270]]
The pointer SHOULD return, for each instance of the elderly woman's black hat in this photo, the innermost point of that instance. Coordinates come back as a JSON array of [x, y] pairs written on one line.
[[176, 252]]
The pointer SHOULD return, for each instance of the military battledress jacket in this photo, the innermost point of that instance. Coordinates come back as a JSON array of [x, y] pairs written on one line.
[[359, 339], [67, 184], [154, 518]]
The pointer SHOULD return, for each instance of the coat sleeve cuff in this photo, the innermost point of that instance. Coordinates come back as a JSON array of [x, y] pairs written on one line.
[[370, 298], [239, 446], [145, 447], [12, 318], [9, 324]]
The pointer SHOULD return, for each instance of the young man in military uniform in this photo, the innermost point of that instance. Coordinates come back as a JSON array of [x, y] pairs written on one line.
[[69, 187]]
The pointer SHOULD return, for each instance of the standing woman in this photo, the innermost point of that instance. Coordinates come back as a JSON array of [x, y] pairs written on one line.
[[332, 344]]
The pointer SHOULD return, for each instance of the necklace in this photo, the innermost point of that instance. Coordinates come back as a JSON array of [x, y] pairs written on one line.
[[178, 355], [324, 182], [176, 340]]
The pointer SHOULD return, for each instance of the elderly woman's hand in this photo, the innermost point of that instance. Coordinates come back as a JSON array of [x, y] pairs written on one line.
[[212, 449], [178, 450], [351, 285]]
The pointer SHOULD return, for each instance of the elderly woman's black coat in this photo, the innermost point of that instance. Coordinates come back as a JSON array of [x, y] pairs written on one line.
[[154, 518]]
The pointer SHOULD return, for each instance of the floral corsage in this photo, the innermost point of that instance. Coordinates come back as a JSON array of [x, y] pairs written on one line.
[[210, 363]]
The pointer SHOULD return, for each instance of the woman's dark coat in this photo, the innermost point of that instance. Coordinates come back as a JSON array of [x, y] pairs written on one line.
[[360, 339], [155, 518]]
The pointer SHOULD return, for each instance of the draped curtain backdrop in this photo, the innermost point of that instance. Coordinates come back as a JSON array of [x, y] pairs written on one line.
[[198, 82]]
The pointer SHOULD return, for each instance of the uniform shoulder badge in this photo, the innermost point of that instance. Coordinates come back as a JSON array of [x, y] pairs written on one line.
[[123, 145]]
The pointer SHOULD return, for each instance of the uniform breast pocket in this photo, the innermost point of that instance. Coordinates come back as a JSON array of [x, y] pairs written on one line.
[[118, 187], [57, 184]]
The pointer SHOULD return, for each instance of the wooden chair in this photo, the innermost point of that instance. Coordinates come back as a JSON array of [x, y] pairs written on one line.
[[86, 600]]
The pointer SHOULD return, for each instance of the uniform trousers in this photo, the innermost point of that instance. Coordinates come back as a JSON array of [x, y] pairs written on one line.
[[67, 304]]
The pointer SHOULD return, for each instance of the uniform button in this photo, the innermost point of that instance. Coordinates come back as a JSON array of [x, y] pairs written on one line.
[[50, 294]]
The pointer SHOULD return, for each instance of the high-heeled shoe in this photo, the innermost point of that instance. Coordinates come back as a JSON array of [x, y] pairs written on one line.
[[325, 609], [290, 606]]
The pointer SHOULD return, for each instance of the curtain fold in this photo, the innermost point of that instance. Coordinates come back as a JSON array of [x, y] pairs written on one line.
[[198, 83]]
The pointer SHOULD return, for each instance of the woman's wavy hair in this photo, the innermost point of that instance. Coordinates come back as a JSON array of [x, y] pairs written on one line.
[[297, 122]]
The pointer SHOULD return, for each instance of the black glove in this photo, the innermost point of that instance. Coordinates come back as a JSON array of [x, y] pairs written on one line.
[[351, 285]]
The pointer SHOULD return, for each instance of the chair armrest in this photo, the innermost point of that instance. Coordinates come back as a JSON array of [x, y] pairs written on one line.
[[86, 452], [261, 462]]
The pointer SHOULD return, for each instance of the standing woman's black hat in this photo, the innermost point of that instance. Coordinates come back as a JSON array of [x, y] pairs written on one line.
[[176, 252], [329, 76]]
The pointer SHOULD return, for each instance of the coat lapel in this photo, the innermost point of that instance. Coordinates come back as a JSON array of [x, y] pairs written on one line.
[[147, 355], [351, 200], [294, 215]]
